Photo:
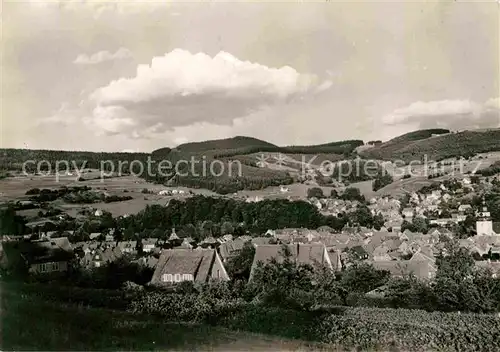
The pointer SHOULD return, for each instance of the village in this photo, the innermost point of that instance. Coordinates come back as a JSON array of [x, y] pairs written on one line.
[[414, 232]]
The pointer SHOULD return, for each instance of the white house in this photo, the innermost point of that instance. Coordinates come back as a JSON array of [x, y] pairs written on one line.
[[464, 207], [408, 212], [98, 212], [284, 189]]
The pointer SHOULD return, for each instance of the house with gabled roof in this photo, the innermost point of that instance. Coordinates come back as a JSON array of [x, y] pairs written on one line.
[[311, 254], [149, 244], [127, 246], [336, 260], [187, 243], [232, 248], [194, 265], [399, 268], [38, 257], [102, 256], [149, 261]]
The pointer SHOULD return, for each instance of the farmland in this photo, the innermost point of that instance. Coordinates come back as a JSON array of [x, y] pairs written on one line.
[[67, 327], [158, 327], [14, 188]]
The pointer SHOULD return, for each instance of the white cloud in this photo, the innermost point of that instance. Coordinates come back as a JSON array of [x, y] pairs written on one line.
[[452, 114], [432, 108], [103, 56], [181, 88], [65, 115], [493, 103], [111, 119]]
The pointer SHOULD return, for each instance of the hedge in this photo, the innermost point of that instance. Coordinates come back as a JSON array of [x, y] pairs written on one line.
[[99, 298], [345, 327], [365, 328]]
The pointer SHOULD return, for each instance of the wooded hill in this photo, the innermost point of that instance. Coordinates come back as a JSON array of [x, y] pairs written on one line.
[[436, 144]]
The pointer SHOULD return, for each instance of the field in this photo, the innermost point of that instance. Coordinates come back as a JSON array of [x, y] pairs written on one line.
[[452, 168], [30, 323], [13, 188]]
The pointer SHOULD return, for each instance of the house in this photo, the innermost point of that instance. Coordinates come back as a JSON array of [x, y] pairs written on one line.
[[336, 260], [127, 246], [38, 257], [311, 254], [408, 213], [187, 243], [254, 199], [42, 225], [173, 238], [464, 207], [98, 212], [195, 265], [148, 244], [284, 189], [102, 256], [381, 254], [230, 249], [442, 222], [493, 267], [394, 225], [209, 242], [466, 181], [400, 268]]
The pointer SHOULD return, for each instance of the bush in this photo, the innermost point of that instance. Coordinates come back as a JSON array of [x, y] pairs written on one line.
[[410, 330], [381, 181], [362, 328], [112, 299], [315, 192], [33, 191]]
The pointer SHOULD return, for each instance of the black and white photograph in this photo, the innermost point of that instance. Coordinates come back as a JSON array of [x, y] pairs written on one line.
[[209, 175]]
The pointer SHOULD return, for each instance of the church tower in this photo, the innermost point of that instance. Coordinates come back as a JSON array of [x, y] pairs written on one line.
[[484, 224]]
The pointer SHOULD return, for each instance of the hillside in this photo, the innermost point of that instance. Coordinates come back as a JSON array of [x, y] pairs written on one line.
[[415, 145], [13, 159], [32, 323], [241, 145], [238, 142]]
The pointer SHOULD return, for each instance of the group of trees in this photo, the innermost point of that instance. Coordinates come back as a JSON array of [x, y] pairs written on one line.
[[350, 194], [418, 224], [458, 284], [227, 185], [49, 160], [201, 216], [11, 223], [492, 170], [450, 145], [382, 180]]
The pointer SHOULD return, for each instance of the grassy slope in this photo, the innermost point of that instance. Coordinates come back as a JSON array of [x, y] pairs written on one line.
[[33, 324], [412, 147]]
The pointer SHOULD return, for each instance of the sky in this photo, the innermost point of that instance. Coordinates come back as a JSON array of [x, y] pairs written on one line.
[[141, 75]]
